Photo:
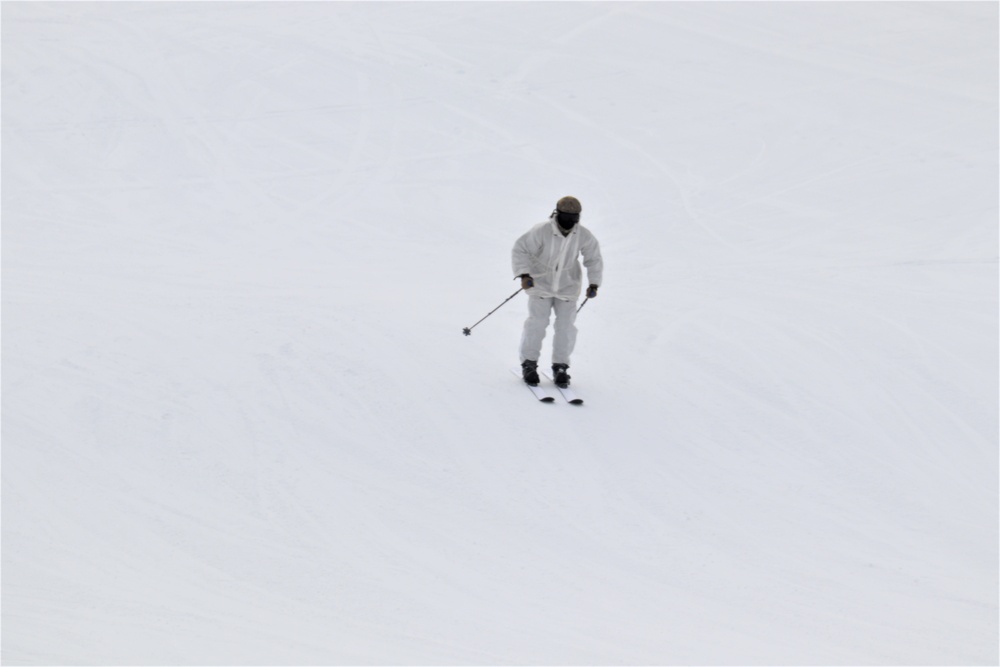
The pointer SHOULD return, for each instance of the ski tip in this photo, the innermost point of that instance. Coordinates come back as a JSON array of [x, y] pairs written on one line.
[[577, 401], [550, 399]]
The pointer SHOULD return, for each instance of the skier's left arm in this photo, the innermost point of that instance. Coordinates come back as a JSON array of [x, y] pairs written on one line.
[[594, 264]]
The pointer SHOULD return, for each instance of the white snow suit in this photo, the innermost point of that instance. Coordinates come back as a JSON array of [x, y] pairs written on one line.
[[552, 261]]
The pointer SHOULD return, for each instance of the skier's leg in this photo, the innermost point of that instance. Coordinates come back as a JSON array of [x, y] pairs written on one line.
[[539, 308], [564, 338]]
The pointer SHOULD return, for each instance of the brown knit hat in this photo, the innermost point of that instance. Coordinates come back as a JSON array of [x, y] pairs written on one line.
[[569, 205]]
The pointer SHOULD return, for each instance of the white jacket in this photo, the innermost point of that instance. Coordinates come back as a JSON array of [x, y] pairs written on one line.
[[552, 260]]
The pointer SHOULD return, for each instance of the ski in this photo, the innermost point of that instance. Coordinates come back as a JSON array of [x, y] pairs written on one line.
[[567, 393], [540, 392]]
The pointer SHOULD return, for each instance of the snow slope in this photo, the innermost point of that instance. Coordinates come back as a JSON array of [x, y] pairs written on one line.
[[241, 424]]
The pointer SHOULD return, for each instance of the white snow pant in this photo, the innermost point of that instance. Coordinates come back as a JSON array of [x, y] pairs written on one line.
[[564, 339]]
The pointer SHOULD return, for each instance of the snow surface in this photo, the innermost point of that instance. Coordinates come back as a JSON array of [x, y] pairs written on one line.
[[241, 424]]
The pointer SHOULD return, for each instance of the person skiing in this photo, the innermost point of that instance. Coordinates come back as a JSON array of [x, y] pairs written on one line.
[[546, 259]]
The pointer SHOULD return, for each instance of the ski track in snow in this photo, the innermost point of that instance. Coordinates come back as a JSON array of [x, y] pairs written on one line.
[[241, 425]]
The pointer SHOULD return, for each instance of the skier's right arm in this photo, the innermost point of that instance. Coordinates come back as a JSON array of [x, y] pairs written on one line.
[[521, 256]]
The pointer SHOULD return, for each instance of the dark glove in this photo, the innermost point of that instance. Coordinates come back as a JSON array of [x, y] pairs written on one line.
[[592, 292], [526, 281]]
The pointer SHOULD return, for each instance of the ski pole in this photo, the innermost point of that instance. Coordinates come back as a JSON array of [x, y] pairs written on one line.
[[468, 330], [583, 304]]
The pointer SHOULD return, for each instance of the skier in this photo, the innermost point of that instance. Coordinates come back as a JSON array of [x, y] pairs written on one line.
[[546, 260]]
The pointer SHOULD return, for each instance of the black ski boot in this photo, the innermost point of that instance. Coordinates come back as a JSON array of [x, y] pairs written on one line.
[[529, 371], [559, 374]]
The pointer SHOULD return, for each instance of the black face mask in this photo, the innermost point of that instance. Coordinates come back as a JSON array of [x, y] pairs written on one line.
[[567, 220]]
